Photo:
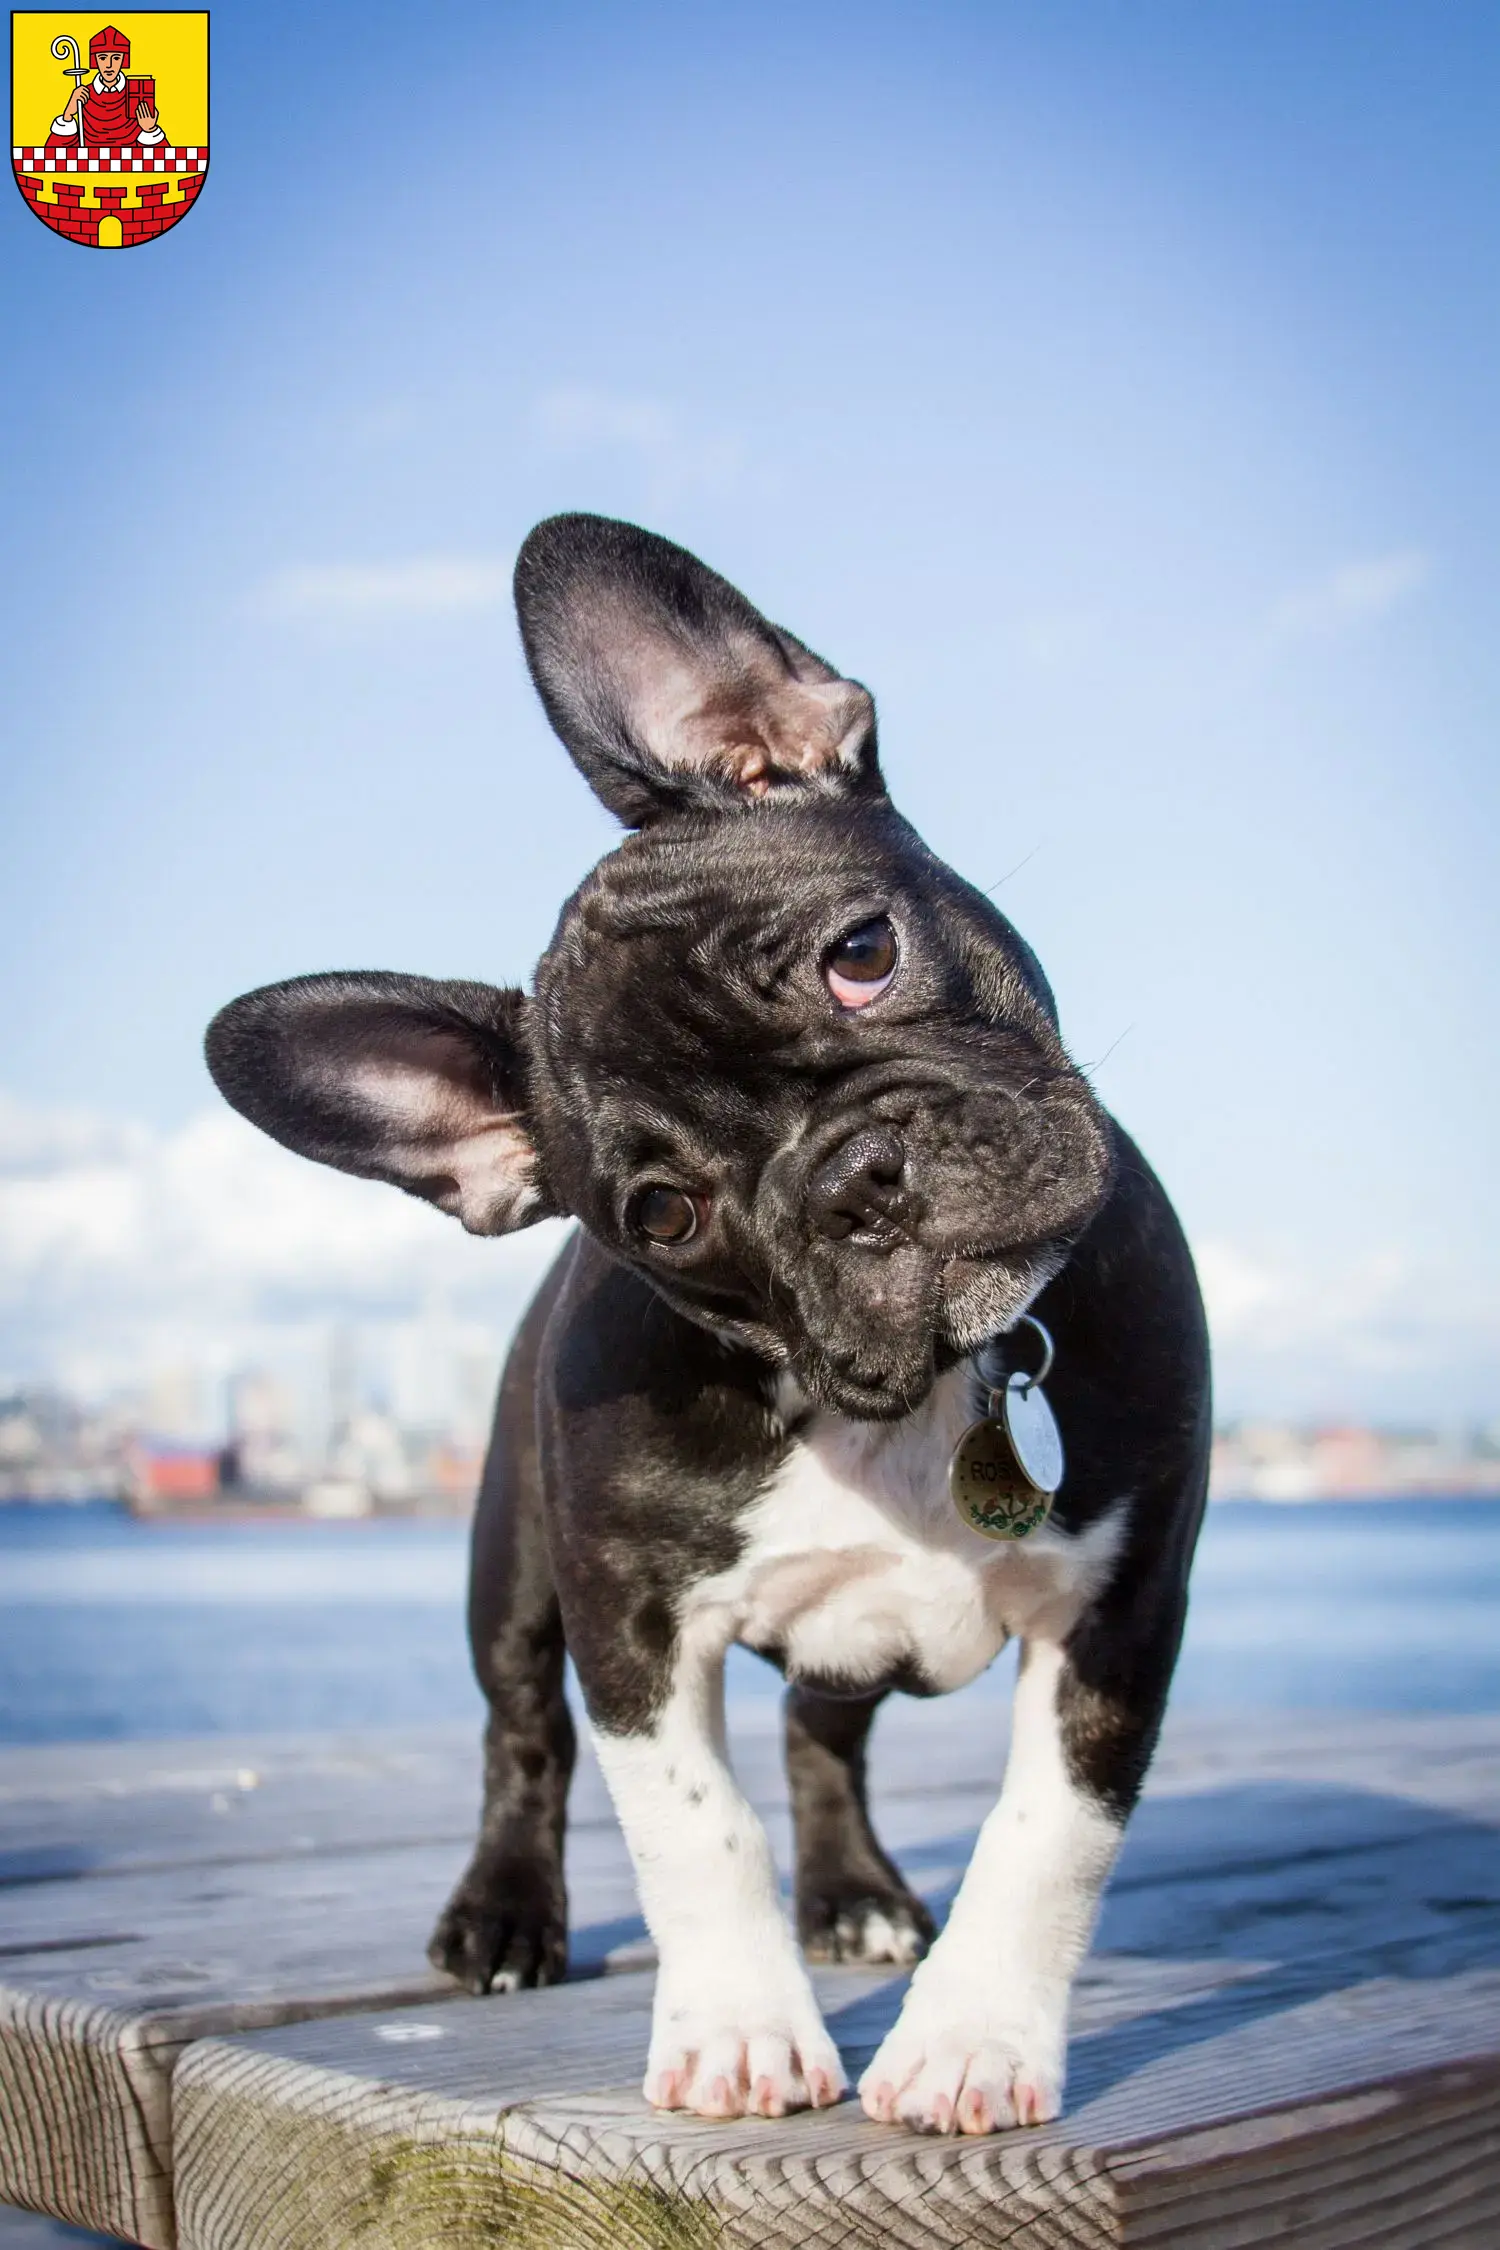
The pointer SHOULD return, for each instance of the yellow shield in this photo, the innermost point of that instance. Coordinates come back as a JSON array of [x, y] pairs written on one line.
[[109, 120]]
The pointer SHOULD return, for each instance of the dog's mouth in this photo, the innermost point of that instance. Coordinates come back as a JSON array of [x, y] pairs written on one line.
[[886, 1377], [983, 1294], [869, 1395]]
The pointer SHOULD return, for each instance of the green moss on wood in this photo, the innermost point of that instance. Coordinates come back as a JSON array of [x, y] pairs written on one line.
[[481, 2197]]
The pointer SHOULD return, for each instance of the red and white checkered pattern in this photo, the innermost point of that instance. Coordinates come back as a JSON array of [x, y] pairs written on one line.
[[132, 158]]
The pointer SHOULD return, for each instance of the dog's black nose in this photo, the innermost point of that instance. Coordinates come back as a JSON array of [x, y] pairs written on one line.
[[857, 1190]]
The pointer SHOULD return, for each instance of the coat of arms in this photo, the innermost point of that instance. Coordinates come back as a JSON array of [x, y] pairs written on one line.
[[109, 121]]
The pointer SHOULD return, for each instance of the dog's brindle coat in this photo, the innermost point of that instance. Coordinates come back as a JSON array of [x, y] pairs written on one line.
[[805, 1091]]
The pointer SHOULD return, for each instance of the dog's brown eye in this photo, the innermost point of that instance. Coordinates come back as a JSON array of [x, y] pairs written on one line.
[[665, 1214], [862, 964]]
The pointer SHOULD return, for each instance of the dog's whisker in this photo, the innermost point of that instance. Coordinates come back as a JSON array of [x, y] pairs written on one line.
[[991, 888], [1087, 1069]]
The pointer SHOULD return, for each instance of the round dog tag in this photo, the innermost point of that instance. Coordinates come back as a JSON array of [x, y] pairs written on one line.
[[990, 1490], [1033, 1433], [1006, 1469]]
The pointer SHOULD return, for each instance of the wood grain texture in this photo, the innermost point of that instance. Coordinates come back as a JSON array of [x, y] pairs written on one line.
[[85, 2116], [1413, 2164], [105, 1982], [154, 1893], [1248, 2134], [155, 1899]]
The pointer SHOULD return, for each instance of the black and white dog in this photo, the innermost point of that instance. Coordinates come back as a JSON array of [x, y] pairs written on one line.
[[805, 1091]]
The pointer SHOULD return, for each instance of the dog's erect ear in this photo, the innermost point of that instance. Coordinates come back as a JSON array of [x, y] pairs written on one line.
[[669, 690], [396, 1078]]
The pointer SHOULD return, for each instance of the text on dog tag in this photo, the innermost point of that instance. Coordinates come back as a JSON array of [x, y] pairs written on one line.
[[1005, 1469]]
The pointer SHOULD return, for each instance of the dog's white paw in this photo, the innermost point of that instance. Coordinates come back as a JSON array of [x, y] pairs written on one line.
[[746, 2063], [966, 2075]]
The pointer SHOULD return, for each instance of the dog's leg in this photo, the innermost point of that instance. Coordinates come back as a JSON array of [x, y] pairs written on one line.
[[507, 1922], [852, 1904], [736, 2029], [981, 2040]]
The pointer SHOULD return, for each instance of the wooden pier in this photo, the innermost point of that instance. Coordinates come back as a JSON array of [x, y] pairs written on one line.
[[218, 2030]]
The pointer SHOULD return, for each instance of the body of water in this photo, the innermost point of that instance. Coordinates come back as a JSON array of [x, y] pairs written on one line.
[[110, 1628]]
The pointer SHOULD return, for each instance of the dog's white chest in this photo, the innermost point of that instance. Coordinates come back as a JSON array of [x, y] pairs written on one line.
[[857, 1565]]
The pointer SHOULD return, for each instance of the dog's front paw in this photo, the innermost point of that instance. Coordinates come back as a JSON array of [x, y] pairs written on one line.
[[506, 1926], [965, 2073], [745, 2062], [853, 1922]]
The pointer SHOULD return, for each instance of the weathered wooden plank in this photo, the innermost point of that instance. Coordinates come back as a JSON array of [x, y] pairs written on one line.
[[103, 1981], [104, 1984], [99, 1808], [526, 2129], [92, 2020], [1413, 2164], [1266, 1819], [89, 1810], [1248, 1851], [147, 1963], [96, 1808], [85, 2126]]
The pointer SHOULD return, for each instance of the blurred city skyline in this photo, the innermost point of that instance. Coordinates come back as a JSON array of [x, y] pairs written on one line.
[[1112, 390]]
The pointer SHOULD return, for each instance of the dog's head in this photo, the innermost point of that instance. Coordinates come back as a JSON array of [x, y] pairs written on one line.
[[778, 1057]]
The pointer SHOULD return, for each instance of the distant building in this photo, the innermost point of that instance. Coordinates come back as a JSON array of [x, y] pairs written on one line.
[[160, 1476], [53, 1448], [256, 1445], [1288, 1461]]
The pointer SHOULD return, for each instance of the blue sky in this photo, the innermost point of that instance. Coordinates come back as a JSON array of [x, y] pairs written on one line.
[[1111, 388]]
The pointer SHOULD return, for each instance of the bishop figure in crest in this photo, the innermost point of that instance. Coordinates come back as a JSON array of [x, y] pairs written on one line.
[[104, 110]]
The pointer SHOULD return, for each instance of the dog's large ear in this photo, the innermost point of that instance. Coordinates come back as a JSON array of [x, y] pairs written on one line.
[[396, 1078], [668, 689]]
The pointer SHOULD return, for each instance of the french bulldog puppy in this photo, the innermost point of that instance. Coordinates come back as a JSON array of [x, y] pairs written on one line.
[[804, 1090]]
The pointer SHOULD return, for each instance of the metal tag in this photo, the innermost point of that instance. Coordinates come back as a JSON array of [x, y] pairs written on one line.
[[990, 1489], [1033, 1433], [1006, 1469]]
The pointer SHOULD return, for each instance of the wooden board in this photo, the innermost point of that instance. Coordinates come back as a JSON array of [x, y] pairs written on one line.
[[87, 1809], [152, 1894], [1208, 2111], [84, 1809], [142, 1915], [105, 1982]]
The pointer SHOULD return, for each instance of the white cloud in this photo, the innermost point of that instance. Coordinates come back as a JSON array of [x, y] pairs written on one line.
[[34, 1142], [423, 586], [1354, 594], [1277, 1300], [124, 1251], [671, 455], [1235, 1288], [1386, 1335], [126, 1254], [675, 457]]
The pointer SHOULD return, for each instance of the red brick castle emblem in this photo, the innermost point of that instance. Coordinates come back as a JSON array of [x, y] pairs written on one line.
[[112, 149]]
